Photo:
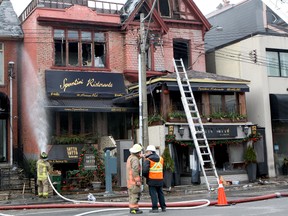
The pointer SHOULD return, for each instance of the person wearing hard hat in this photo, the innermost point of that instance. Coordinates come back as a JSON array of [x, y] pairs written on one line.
[[43, 167], [153, 172], [134, 182]]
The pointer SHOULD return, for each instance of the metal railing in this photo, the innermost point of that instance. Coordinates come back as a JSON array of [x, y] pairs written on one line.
[[96, 5]]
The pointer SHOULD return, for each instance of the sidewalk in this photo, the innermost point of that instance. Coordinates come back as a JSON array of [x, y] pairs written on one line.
[[177, 193]]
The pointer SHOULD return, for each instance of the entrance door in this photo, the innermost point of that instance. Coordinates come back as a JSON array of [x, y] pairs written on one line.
[[3, 140]]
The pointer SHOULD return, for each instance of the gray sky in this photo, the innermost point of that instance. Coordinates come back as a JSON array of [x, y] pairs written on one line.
[[206, 6]]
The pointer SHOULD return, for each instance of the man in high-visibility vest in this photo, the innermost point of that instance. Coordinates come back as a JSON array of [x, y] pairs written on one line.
[[134, 182], [43, 167], [153, 172]]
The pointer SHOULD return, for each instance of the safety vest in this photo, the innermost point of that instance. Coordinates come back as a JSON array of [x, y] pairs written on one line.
[[133, 176], [156, 169], [42, 169]]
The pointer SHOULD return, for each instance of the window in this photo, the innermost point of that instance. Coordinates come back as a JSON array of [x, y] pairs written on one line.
[[79, 48], [277, 63], [220, 103], [181, 49], [1, 64], [164, 8]]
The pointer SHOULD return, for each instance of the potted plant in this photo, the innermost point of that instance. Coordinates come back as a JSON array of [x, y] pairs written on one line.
[[155, 119], [177, 116], [169, 167], [250, 159]]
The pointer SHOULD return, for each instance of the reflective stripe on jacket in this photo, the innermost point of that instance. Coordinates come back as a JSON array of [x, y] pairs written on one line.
[[156, 169], [42, 169], [133, 170]]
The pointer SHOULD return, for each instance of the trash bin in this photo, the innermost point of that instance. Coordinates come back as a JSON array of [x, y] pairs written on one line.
[[56, 181]]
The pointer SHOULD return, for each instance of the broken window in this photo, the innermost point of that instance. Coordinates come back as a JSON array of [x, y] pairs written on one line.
[[181, 50], [79, 48], [164, 8], [86, 48], [60, 47], [99, 50], [73, 39]]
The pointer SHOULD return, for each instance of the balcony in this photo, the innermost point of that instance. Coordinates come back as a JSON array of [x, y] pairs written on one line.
[[98, 6]]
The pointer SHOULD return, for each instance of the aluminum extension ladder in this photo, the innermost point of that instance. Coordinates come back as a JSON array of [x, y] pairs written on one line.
[[196, 127]]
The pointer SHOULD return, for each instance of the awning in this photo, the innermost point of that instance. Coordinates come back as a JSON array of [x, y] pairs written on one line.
[[65, 153], [134, 94], [279, 107], [211, 87], [87, 105]]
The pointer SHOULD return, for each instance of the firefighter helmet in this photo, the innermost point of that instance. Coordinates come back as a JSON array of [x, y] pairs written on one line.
[[43, 155], [136, 148]]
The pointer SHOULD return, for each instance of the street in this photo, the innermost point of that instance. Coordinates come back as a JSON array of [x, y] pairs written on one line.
[[267, 207]]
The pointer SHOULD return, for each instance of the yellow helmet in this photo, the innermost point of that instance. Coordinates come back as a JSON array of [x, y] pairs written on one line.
[[43, 155], [136, 148]]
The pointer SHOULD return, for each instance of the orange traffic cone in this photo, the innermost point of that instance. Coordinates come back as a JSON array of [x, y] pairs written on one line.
[[222, 201]]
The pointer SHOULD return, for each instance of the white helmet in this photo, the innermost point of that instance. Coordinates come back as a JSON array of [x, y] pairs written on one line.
[[136, 148], [151, 148]]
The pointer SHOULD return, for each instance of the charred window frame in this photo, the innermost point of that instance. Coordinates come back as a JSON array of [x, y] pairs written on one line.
[[1, 64], [181, 49], [79, 48], [164, 8]]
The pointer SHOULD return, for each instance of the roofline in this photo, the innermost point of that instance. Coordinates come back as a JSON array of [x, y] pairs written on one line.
[[205, 80], [245, 37]]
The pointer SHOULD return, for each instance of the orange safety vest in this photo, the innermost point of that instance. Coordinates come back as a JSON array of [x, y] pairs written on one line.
[[132, 175], [156, 169]]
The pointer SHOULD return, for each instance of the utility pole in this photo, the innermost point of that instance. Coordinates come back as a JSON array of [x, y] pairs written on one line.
[[11, 75], [142, 84]]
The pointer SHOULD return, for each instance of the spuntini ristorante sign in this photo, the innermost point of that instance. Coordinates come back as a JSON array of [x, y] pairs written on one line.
[[84, 84]]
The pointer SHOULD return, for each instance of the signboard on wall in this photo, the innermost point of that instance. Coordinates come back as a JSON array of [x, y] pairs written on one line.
[[84, 84]]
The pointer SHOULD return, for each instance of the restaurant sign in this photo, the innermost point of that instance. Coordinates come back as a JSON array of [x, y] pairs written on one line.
[[84, 84]]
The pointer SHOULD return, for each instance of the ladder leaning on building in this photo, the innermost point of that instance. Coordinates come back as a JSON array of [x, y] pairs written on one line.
[[196, 127]]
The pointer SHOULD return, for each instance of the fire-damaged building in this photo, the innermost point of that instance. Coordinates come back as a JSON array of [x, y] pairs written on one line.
[[79, 83]]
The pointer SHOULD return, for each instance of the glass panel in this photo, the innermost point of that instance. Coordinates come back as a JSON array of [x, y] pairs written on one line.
[[64, 123], [88, 122], [59, 34], [230, 103], [215, 103], [3, 141], [73, 53], [60, 52], [1, 66], [284, 64], [273, 64], [73, 35], [76, 123], [86, 54], [99, 37], [86, 36]]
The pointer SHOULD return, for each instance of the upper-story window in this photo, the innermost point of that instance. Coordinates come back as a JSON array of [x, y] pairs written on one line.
[[277, 63], [164, 8], [79, 48], [223, 103], [1, 64]]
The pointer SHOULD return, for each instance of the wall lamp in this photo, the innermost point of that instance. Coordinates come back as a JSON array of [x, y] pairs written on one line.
[[181, 131], [245, 129]]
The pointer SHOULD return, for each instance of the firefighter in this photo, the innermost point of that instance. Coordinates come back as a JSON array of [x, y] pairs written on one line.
[[133, 170], [43, 167], [153, 172]]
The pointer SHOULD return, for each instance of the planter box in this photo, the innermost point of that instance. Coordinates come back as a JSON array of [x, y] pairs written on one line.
[[177, 120]]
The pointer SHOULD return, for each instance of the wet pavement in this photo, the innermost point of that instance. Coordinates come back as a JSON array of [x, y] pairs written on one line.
[[178, 193]]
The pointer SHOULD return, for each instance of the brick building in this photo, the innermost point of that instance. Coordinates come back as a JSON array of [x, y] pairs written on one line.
[[80, 59], [11, 37]]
